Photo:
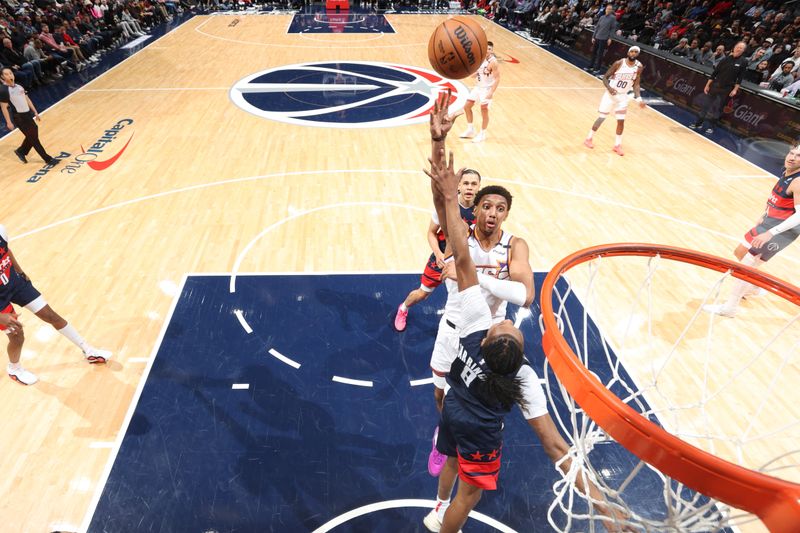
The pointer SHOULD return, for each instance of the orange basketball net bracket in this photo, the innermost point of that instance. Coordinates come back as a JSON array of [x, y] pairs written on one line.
[[776, 502]]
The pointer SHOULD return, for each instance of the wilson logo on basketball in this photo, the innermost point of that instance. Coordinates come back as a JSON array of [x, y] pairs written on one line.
[[352, 94]]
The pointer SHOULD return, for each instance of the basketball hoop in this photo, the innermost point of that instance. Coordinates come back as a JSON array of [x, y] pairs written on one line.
[[632, 415]]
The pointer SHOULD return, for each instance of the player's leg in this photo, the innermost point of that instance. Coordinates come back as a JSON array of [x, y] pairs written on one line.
[[445, 443], [445, 350], [16, 338], [606, 105], [484, 123], [618, 138], [465, 501], [430, 279], [34, 302], [620, 110], [470, 131]]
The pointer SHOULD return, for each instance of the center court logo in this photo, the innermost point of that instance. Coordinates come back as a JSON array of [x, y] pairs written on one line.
[[351, 94]]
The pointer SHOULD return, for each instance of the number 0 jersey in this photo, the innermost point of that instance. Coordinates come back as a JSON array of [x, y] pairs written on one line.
[[622, 80]]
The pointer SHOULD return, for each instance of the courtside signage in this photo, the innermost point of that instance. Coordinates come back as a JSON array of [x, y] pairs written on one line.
[[345, 94]]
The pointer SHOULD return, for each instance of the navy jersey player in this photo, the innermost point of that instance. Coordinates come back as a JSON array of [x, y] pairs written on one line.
[[486, 378], [777, 228], [16, 288], [432, 274]]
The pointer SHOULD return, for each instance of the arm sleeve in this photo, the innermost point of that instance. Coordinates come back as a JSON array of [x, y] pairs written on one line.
[[3, 233], [790, 223], [533, 394], [435, 218], [510, 291], [475, 314]]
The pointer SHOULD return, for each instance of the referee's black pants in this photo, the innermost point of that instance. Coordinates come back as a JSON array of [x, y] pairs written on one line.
[[712, 107], [27, 125]]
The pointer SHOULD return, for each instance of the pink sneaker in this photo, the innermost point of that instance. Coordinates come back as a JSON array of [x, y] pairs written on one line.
[[618, 149], [400, 319], [588, 143], [436, 460]]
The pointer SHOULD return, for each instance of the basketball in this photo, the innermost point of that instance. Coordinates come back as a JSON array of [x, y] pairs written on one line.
[[457, 47]]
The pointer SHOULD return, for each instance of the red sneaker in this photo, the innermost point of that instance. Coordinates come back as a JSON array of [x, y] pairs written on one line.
[[588, 143], [618, 149]]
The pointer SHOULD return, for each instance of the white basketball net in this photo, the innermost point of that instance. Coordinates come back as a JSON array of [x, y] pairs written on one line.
[[727, 386]]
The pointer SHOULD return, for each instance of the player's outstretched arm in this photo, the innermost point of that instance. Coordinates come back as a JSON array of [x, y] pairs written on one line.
[[556, 448], [519, 268], [440, 125], [446, 180]]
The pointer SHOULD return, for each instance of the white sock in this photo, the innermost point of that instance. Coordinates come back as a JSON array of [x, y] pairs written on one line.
[[403, 307], [469, 125], [442, 506], [70, 333], [14, 366], [591, 134], [619, 140]]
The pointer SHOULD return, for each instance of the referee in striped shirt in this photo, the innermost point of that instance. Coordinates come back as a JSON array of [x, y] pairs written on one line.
[[24, 117]]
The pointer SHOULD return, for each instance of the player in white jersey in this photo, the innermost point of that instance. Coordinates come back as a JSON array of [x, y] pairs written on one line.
[[622, 78], [487, 78], [508, 276]]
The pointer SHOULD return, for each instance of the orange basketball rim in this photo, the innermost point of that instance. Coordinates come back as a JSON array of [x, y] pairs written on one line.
[[776, 502]]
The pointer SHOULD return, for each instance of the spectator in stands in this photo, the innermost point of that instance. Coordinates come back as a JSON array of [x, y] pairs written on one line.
[[33, 50], [551, 25], [782, 79], [605, 27], [705, 54], [792, 90], [58, 50], [681, 49], [794, 58], [12, 58], [758, 75], [757, 57]]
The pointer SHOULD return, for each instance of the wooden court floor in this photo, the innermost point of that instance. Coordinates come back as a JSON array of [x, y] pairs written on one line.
[[201, 179]]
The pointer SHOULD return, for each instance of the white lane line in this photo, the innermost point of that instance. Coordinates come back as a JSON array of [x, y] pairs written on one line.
[[139, 360], [348, 381], [242, 321], [418, 382], [131, 408], [279, 356], [240, 386], [100, 445]]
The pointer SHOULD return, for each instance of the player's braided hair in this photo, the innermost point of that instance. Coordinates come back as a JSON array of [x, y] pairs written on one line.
[[494, 189], [504, 357]]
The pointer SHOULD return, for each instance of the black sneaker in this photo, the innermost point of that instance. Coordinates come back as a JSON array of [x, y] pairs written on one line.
[[52, 161], [20, 156], [709, 131], [695, 126]]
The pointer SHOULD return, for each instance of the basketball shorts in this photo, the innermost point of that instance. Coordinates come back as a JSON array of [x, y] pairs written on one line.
[[617, 103], [480, 95], [475, 442], [445, 350], [24, 294], [7, 311], [431, 276], [775, 245]]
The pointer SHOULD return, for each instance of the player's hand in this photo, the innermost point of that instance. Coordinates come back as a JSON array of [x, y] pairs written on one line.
[[612, 91], [761, 239], [441, 122], [439, 260], [449, 271], [444, 177], [10, 322]]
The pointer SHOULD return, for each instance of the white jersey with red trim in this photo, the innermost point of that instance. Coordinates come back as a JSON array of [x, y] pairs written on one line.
[[493, 263], [485, 75], [622, 80]]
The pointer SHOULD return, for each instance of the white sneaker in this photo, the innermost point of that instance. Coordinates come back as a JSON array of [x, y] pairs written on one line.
[[95, 356], [469, 132], [480, 137], [432, 522], [720, 309], [20, 375]]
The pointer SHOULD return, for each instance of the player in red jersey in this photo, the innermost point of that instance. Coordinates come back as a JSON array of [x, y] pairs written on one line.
[[777, 228], [432, 275], [16, 288]]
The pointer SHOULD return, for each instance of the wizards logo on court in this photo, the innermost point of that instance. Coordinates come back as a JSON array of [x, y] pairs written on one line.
[[352, 94]]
